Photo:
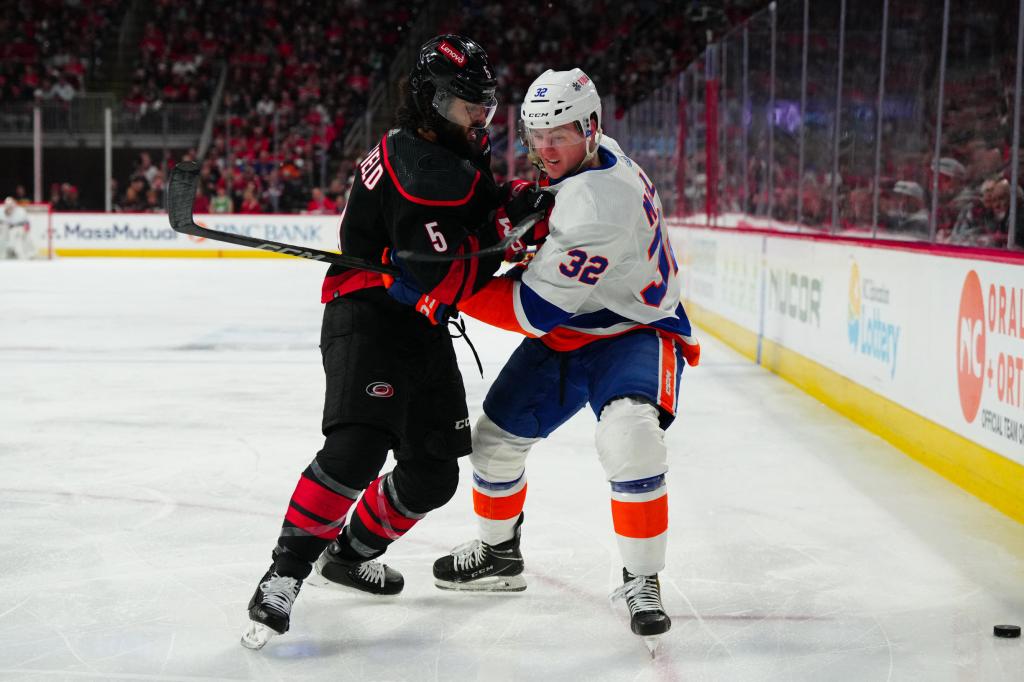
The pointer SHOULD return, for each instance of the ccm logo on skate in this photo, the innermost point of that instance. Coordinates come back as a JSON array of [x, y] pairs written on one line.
[[379, 389]]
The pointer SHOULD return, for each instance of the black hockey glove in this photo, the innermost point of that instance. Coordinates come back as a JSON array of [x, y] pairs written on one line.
[[523, 202], [527, 201]]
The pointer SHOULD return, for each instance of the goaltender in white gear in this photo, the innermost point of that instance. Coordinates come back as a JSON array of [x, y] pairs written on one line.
[[600, 305], [15, 232]]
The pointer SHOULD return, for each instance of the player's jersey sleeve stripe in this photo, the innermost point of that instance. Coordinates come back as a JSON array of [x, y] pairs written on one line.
[[493, 305], [474, 267], [449, 288], [534, 312]]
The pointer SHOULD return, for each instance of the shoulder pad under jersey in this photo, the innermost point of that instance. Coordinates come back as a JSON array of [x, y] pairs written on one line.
[[427, 173]]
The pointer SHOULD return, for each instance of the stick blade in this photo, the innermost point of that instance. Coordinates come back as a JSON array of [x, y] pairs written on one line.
[[181, 194]]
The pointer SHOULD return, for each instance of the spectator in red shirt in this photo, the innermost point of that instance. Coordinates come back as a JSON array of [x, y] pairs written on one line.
[[320, 203], [250, 204], [202, 203]]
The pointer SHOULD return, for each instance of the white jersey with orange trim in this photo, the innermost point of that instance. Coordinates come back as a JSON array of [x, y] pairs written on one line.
[[607, 266]]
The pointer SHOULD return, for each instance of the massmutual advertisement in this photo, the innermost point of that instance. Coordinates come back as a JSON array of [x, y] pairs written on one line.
[[149, 234]]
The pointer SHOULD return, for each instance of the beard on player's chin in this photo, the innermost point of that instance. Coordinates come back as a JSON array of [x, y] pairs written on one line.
[[464, 142]]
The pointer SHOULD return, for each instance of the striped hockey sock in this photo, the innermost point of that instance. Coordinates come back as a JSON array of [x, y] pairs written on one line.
[[380, 518], [316, 513], [640, 518]]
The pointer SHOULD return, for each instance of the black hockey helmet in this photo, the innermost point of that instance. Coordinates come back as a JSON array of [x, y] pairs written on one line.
[[450, 68]]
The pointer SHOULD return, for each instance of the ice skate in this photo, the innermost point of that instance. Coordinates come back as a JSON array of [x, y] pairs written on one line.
[[270, 608], [647, 616], [479, 567], [365, 576]]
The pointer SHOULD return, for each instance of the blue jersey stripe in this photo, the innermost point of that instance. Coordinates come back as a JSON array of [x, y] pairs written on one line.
[[540, 313], [603, 319]]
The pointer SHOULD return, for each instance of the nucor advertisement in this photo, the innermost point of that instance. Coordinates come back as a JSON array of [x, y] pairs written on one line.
[[141, 231], [941, 336]]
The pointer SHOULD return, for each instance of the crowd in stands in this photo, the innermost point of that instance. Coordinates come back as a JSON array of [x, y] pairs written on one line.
[[298, 74], [49, 47], [971, 179]]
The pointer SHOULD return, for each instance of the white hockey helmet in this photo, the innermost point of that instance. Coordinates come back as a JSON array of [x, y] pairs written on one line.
[[559, 97]]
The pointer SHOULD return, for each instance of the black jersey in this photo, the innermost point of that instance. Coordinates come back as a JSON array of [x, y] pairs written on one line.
[[412, 194]]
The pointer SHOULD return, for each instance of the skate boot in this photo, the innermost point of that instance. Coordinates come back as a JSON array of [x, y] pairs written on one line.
[[479, 567], [365, 576], [270, 608], [647, 616]]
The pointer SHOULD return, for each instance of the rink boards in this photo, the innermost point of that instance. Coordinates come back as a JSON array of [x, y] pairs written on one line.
[[924, 348]]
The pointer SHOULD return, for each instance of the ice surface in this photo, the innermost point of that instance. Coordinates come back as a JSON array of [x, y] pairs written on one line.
[[154, 416]]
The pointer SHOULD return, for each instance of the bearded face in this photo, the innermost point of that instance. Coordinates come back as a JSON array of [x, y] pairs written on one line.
[[463, 141]]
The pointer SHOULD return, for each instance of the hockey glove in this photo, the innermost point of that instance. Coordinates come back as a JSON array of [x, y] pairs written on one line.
[[404, 290], [524, 202]]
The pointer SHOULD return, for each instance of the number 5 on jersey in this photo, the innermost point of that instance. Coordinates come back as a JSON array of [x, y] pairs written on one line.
[[436, 238]]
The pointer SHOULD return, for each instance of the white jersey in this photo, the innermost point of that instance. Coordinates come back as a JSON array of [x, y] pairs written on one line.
[[16, 218], [15, 239], [607, 261]]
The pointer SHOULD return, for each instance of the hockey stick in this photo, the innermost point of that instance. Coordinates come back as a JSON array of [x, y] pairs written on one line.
[[510, 238], [181, 194], [500, 247]]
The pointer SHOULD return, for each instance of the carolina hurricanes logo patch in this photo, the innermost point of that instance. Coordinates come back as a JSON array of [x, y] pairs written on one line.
[[380, 389], [447, 50]]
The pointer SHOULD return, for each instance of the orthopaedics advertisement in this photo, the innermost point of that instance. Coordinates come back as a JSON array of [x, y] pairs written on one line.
[[150, 233], [940, 335]]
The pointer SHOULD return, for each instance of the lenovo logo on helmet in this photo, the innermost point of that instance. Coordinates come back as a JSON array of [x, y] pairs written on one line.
[[447, 50]]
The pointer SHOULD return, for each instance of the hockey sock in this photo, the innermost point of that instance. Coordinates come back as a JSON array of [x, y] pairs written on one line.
[[380, 518], [315, 514], [640, 518], [497, 506]]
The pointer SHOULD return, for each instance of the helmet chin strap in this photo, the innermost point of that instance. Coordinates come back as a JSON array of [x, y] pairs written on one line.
[[592, 152], [588, 156]]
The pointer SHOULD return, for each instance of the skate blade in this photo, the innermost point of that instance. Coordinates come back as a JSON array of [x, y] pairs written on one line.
[[653, 643], [512, 583], [256, 636]]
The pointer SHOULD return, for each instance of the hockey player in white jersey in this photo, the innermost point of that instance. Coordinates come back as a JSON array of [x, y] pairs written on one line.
[[15, 235], [600, 306]]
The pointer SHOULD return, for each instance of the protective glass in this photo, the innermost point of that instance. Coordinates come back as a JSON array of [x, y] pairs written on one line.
[[463, 113], [540, 138]]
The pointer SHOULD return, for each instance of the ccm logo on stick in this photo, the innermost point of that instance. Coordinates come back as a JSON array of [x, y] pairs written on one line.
[[380, 389], [290, 251]]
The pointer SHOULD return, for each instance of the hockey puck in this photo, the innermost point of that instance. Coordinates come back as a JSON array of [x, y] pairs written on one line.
[[1007, 631]]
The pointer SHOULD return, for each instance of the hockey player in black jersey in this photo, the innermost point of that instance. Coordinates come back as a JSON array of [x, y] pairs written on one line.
[[392, 378]]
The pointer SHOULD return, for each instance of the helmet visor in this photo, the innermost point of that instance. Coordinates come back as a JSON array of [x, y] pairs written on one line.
[[541, 138], [463, 113]]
